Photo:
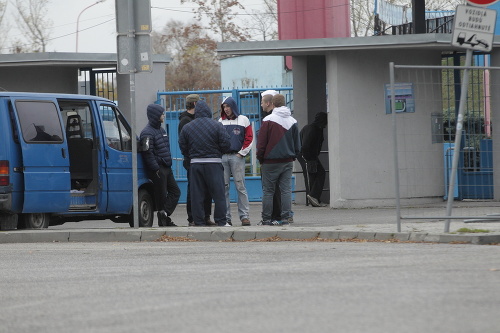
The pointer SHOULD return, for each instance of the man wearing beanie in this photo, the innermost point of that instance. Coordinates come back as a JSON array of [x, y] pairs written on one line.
[[158, 162], [203, 141], [184, 118], [312, 139]]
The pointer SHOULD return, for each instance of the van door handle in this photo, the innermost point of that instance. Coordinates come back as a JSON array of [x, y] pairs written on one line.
[[106, 154], [63, 152]]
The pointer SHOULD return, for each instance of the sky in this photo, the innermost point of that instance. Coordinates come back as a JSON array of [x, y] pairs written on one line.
[[97, 25]]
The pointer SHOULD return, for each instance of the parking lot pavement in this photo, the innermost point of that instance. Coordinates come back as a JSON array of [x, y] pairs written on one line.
[[310, 223]]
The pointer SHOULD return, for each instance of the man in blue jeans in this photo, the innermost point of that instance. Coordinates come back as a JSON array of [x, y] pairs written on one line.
[[278, 145], [241, 135]]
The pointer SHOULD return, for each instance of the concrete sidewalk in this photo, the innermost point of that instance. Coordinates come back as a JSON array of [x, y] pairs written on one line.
[[310, 223]]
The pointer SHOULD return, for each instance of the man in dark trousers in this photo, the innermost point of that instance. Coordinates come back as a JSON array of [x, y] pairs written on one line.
[[185, 118], [204, 140], [158, 162], [312, 139]]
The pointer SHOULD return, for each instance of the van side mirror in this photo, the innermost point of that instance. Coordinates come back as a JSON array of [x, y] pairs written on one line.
[[143, 144]]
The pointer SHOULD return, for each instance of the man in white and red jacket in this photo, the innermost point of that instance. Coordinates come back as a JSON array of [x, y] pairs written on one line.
[[241, 135]]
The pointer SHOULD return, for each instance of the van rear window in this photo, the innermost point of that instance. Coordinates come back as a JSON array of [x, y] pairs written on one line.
[[39, 121]]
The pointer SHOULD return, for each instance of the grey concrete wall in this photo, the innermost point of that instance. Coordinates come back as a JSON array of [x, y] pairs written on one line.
[[300, 67], [146, 87], [360, 132], [49, 79]]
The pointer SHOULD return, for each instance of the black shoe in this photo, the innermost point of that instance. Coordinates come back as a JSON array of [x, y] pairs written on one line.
[[164, 220], [313, 201], [209, 223]]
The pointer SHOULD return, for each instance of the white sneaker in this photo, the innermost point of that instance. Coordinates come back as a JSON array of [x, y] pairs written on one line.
[[227, 225]]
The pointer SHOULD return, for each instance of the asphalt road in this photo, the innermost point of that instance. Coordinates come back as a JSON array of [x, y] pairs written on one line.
[[249, 287]]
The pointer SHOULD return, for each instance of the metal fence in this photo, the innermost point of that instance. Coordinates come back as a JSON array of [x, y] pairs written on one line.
[[443, 141], [248, 101]]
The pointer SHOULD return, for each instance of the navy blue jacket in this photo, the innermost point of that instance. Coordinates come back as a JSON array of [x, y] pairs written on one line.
[[159, 145], [203, 137]]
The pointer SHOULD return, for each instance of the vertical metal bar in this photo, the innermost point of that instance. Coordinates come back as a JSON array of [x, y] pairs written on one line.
[[135, 191], [458, 137], [395, 146]]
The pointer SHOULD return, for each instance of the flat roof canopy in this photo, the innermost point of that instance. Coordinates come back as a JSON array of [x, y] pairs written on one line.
[[63, 59], [297, 47]]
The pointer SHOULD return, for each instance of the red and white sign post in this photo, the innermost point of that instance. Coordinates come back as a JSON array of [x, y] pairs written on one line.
[[481, 2]]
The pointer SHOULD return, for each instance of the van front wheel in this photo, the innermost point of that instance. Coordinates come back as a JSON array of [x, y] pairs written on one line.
[[34, 221], [146, 211]]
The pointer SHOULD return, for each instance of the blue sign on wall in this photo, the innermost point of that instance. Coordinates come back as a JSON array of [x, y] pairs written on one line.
[[405, 101]]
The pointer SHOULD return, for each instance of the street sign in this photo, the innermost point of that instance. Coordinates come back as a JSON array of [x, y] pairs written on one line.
[[133, 25], [474, 28], [481, 2], [141, 16]]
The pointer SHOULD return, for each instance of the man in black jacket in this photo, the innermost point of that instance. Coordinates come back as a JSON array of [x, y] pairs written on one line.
[[158, 162], [312, 138], [185, 118], [203, 141]]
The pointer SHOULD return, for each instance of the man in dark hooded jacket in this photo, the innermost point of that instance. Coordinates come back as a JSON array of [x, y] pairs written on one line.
[[184, 118], [203, 141], [158, 162], [312, 139]]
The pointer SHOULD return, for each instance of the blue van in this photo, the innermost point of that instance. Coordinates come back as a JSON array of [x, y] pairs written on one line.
[[67, 158]]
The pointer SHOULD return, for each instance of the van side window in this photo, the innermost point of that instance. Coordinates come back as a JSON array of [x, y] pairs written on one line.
[[39, 121], [116, 128], [78, 119]]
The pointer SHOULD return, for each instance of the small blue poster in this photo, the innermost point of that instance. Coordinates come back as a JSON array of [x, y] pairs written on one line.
[[405, 101]]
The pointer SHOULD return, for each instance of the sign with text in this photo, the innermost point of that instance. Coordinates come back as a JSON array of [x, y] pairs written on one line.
[[405, 101], [474, 28]]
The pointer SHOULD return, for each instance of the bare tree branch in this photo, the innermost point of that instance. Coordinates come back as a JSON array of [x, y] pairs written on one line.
[[33, 22]]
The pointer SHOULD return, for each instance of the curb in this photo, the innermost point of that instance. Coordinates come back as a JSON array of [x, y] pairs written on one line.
[[236, 234]]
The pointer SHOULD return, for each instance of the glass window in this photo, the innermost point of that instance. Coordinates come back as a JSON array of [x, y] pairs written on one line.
[[116, 128], [78, 119], [39, 121]]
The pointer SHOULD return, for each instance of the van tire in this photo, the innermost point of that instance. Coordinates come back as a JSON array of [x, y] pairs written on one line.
[[146, 210], [34, 221]]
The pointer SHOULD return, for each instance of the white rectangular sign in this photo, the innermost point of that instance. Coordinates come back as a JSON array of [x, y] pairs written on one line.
[[474, 28]]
